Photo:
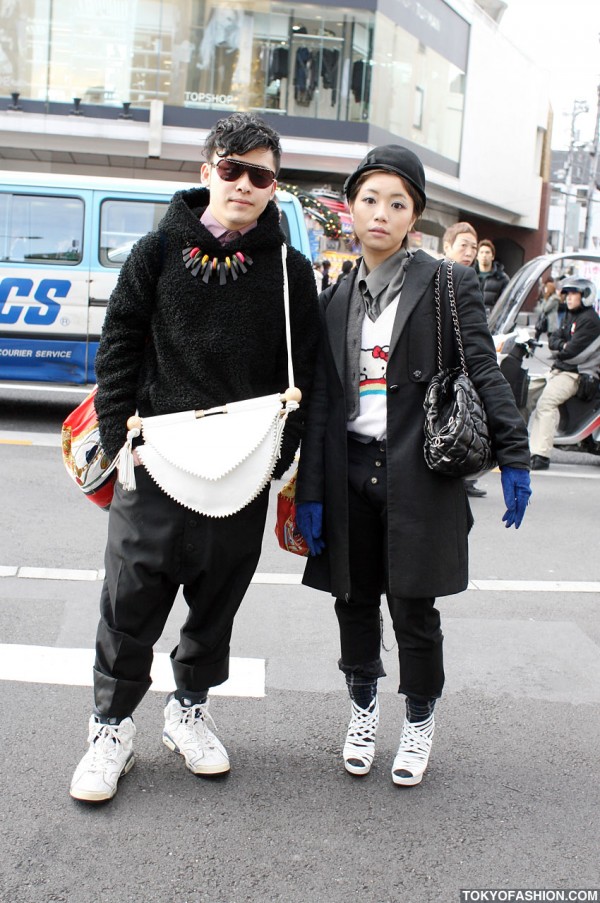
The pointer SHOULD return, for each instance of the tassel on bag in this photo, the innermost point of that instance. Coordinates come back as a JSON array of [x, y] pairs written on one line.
[[125, 463]]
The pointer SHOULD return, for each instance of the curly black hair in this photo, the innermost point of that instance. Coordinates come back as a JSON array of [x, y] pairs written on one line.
[[240, 133]]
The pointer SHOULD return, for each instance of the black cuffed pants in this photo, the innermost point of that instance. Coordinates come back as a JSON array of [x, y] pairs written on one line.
[[416, 621], [155, 546]]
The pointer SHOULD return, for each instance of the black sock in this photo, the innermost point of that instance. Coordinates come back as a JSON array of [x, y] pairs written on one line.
[[362, 690], [109, 719], [419, 709], [188, 698]]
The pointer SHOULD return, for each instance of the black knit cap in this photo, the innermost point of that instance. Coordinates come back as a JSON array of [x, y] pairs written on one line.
[[392, 158]]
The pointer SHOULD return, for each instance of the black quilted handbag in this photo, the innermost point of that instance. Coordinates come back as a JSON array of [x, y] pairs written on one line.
[[457, 436]]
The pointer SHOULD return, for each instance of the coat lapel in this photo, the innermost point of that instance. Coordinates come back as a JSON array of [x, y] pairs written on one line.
[[336, 317], [419, 275]]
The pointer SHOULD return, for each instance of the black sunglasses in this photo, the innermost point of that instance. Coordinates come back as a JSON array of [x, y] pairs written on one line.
[[231, 170]]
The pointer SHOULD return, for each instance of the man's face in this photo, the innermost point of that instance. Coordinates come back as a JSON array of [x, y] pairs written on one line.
[[239, 202], [485, 258], [463, 249], [573, 300]]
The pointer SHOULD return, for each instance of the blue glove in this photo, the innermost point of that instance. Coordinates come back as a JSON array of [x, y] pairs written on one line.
[[516, 487], [309, 520]]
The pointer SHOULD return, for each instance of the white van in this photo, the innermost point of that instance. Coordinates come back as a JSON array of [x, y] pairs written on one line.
[[63, 240]]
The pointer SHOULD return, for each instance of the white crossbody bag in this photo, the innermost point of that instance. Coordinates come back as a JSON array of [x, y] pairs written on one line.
[[215, 461]]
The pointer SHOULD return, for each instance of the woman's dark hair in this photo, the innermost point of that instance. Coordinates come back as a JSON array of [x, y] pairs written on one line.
[[240, 133], [412, 192]]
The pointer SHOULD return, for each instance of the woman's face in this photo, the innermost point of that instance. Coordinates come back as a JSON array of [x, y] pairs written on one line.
[[383, 214]]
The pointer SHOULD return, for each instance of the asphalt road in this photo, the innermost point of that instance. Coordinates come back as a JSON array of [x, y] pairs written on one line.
[[512, 794]]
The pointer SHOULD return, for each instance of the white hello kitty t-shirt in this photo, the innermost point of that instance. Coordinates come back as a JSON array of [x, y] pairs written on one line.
[[374, 352]]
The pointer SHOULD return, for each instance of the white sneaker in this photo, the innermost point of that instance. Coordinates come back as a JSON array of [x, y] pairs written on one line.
[[413, 753], [186, 733], [110, 755], [359, 748]]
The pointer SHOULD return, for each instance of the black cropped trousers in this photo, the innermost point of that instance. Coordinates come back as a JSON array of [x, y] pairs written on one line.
[[155, 546], [416, 621]]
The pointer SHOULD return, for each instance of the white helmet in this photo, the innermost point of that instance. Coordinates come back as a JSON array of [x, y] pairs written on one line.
[[586, 289]]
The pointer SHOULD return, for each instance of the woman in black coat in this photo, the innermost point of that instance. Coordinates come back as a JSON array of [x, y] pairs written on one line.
[[390, 524]]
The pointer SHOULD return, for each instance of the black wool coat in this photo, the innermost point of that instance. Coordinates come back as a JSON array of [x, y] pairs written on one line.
[[493, 285], [428, 515]]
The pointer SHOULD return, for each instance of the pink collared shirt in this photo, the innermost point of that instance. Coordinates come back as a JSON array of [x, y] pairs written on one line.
[[217, 229]]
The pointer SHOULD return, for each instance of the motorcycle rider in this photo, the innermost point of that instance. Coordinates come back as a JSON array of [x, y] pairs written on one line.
[[576, 349]]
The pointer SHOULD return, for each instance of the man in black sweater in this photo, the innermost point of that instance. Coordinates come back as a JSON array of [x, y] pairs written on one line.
[[179, 337]]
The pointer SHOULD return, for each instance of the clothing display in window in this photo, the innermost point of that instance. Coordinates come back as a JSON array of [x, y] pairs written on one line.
[[219, 49], [279, 64], [305, 76], [330, 63], [361, 81]]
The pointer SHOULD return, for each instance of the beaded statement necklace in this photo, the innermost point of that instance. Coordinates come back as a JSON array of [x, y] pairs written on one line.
[[204, 265]]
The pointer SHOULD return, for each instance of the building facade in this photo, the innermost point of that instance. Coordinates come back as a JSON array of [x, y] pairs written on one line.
[[574, 215], [131, 87]]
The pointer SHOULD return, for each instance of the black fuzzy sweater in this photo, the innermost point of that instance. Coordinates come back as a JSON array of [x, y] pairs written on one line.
[[171, 342]]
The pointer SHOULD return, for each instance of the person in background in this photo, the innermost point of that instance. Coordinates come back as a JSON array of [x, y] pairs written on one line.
[[318, 274], [547, 308], [460, 244], [176, 339], [562, 309], [575, 347], [326, 277], [492, 278], [346, 268], [375, 518]]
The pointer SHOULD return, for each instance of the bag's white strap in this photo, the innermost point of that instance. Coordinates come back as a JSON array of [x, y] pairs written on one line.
[[286, 304]]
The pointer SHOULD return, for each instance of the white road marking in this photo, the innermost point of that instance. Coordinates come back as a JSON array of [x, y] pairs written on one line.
[[16, 437], [282, 579], [536, 586], [34, 387], [12, 437], [73, 667]]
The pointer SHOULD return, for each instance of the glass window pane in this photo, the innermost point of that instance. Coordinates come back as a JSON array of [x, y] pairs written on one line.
[[122, 223], [427, 88], [45, 230], [4, 226]]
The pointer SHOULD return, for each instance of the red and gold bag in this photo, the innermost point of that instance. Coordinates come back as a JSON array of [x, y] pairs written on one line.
[[84, 458], [288, 535]]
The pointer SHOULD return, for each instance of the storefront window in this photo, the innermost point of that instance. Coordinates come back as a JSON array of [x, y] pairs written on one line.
[[296, 61], [428, 91], [300, 60]]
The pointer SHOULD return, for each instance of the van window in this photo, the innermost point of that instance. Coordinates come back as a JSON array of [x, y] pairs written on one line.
[[41, 229], [122, 223]]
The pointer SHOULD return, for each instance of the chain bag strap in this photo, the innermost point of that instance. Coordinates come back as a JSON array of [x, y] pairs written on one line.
[[457, 435]]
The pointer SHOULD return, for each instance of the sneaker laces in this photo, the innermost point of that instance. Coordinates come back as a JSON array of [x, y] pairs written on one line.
[[104, 745], [415, 745], [195, 719]]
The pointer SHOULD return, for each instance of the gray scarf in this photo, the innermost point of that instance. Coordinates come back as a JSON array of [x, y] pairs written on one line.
[[371, 294]]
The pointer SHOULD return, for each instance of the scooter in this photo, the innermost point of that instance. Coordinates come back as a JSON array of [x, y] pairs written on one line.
[[579, 425]]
